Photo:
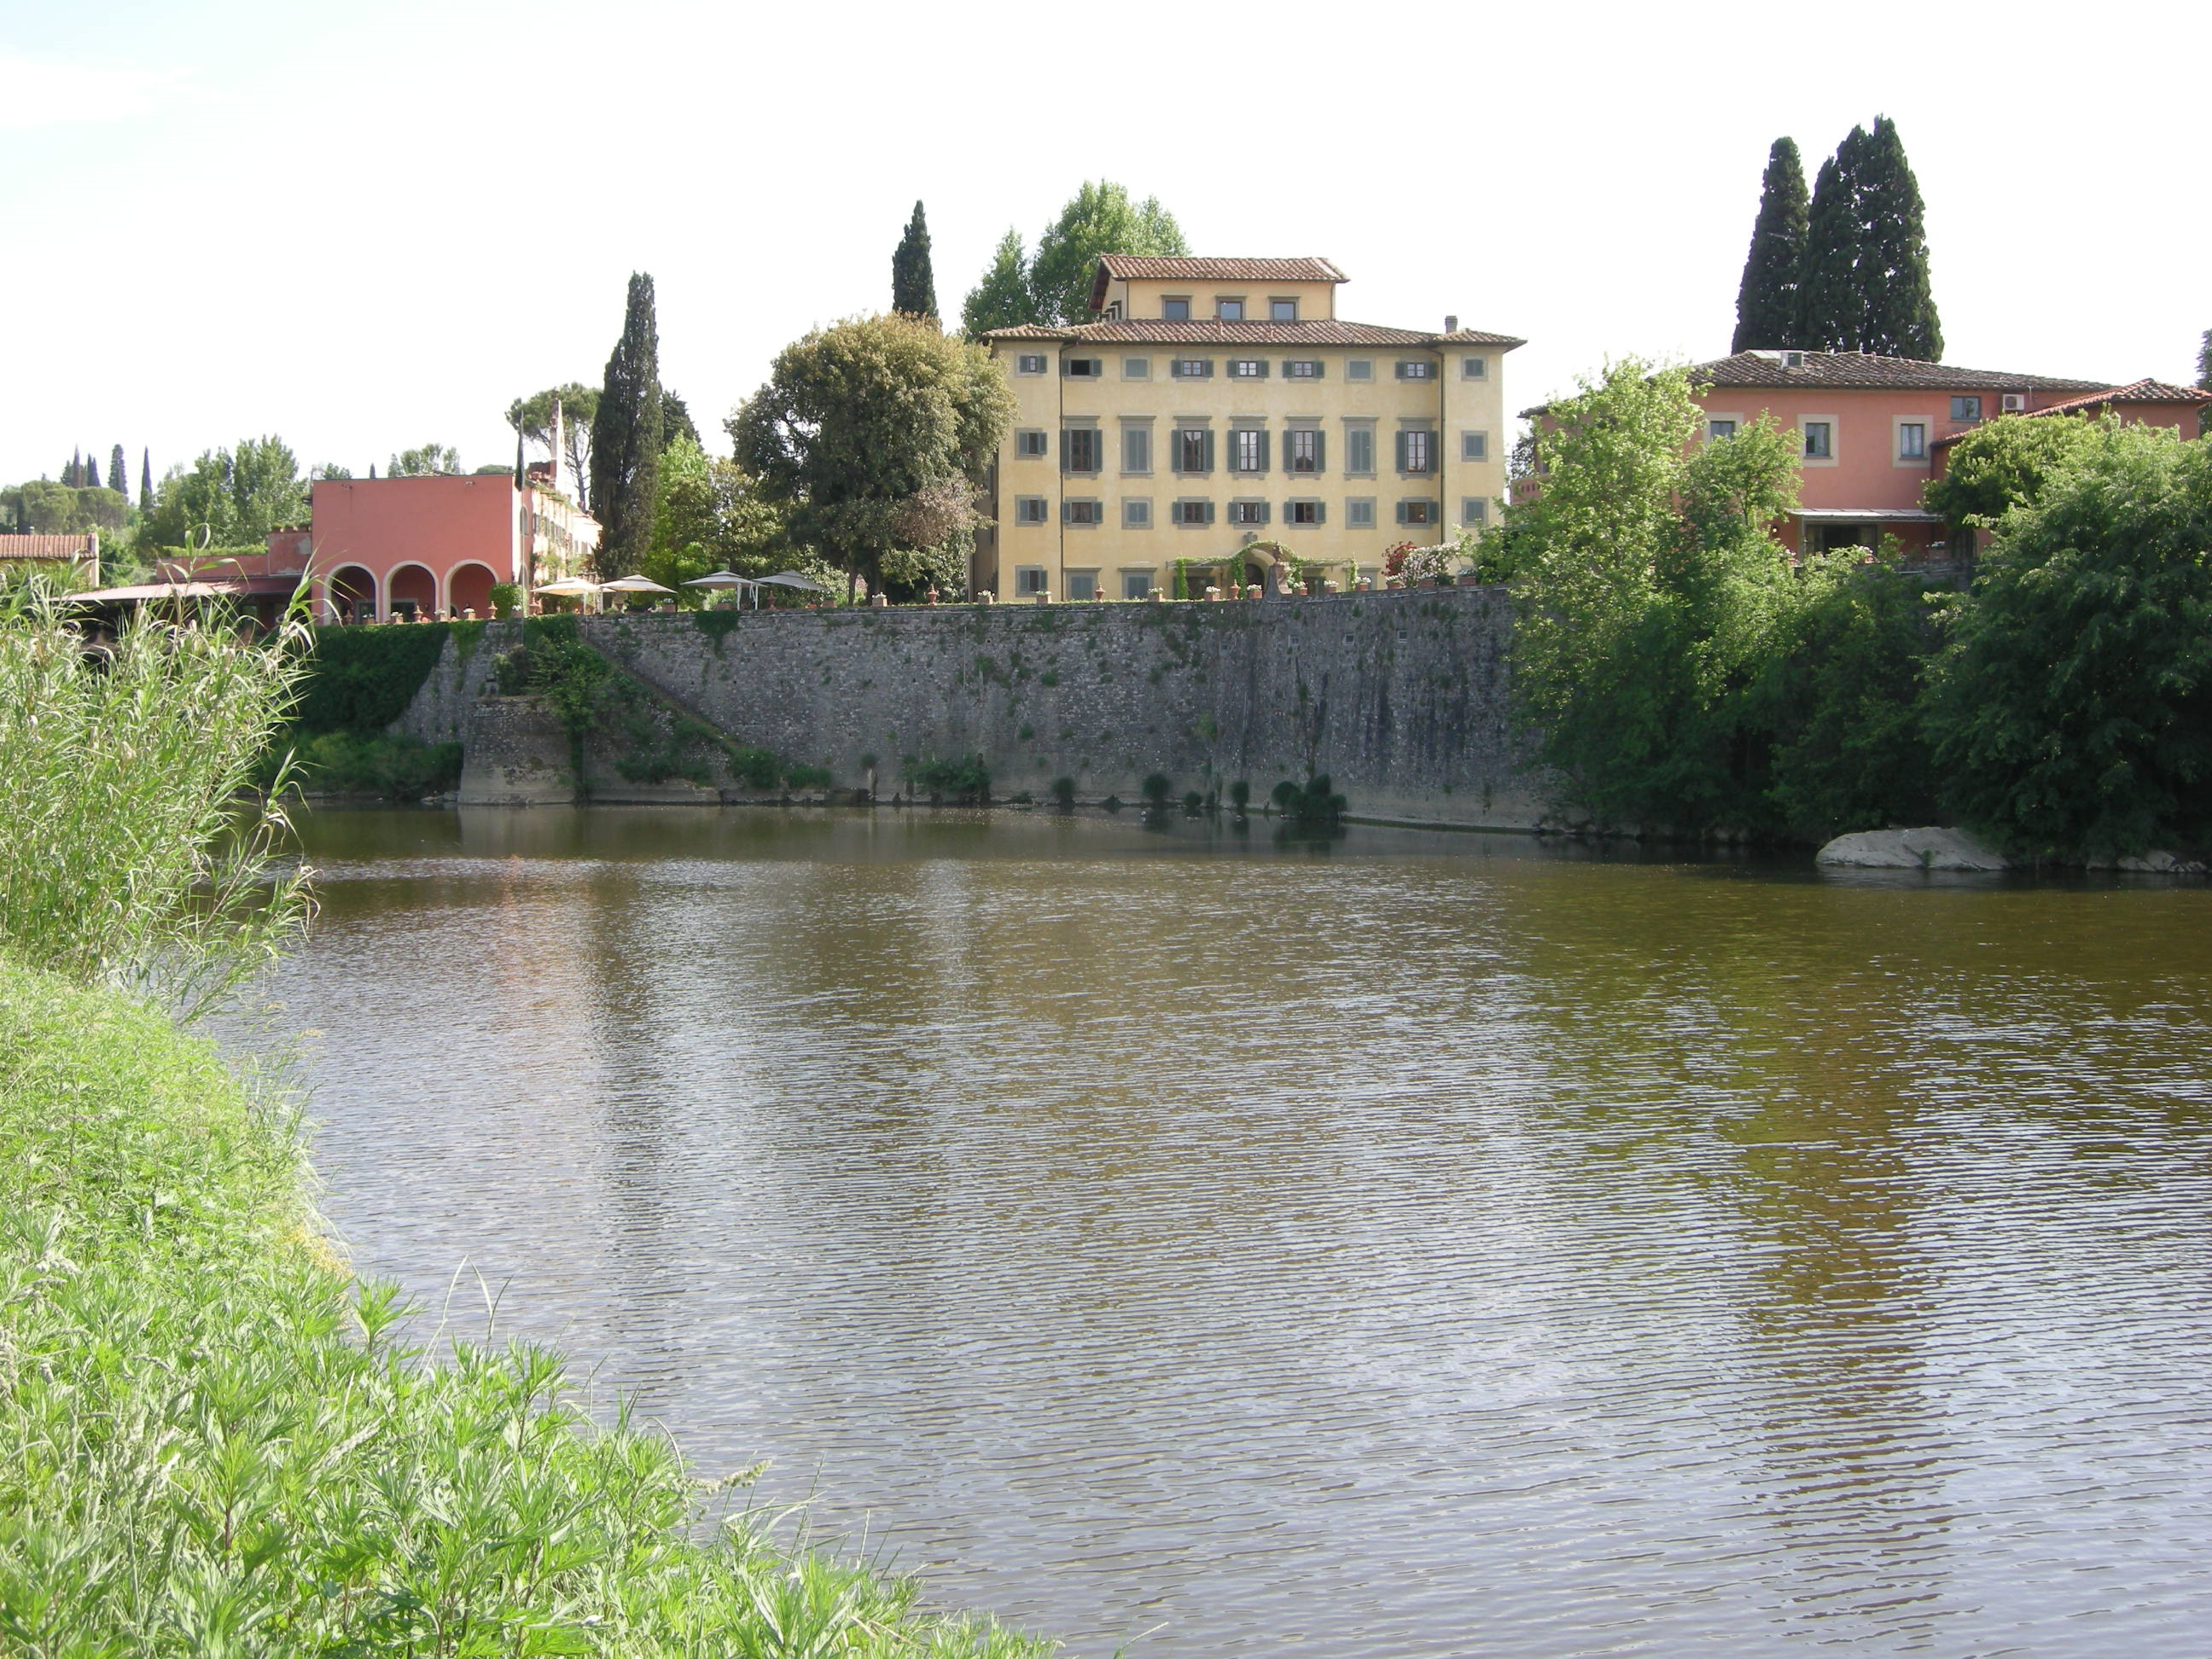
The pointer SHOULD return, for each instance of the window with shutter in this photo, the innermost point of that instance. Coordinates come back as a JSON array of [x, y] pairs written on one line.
[[1359, 450], [1474, 446], [1247, 513], [1302, 369], [1030, 363], [1080, 448], [1247, 368], [1031, 444], [1302, 513], [1137, 512], [1359, 513], [1359, 368], [1416, 450], [1473, 513], [1030, 509], [1136, 449], [1302, 450], [1475, 368]]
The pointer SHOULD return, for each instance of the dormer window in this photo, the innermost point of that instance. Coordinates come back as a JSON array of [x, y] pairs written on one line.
[[1228, 311], [1282, 311], [1176, 310]]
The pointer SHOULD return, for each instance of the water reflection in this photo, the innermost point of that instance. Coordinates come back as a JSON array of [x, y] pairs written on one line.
[[1405, 1245]]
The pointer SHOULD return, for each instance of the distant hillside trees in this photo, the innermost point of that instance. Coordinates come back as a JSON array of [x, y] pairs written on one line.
[[626, 437], [1846, 270]]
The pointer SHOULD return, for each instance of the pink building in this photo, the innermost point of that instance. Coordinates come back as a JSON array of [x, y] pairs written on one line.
[[1875, 430], [379, 548]]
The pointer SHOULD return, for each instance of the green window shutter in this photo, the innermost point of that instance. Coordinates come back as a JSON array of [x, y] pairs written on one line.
[[1320, 452], [1209, 511], [1402, 513], [1263, 451], [1320, 512], [1402, 467], [1208, 467]]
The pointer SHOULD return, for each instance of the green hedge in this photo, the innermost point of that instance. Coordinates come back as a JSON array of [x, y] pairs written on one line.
[[362, 679]]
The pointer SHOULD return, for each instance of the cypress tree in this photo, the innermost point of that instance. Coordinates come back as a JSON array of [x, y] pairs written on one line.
[[626, 437], [1829, 318], [118, 474], [914, 287], [73, 474], [1766, 310], [1894, 293], [146, 480], [2205, 362]]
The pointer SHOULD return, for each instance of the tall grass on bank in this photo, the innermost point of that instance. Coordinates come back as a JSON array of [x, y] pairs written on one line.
[[131, 849], [212, 1443]]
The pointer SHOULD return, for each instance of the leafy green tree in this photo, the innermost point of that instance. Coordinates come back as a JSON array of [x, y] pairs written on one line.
[[710, 516], [1099, 219], [431, 461], [230, 498], [2001, 465], [871, 435], [675, 421], [2071, 707], [118, 474], [532, 418], [1003, 298], [626, 437], [913, 286], [1766, 309], [330, 470]]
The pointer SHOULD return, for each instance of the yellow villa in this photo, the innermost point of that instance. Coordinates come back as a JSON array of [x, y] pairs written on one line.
[[1216, 413]]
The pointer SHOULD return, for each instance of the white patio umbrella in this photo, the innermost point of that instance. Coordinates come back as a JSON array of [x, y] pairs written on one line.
[[728, 579], [793, 578], [634, 585], [569, 587]]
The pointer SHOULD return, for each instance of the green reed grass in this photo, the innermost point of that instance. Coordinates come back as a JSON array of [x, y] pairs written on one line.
[[132, 848], [212, 1443]]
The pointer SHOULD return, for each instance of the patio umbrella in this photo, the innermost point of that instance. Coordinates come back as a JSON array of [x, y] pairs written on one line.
[[635, 584], [730, 579], [793, 578], [569, 587]]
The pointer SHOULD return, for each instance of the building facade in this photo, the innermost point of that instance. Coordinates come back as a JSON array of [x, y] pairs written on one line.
[[1218, 413], [1874, 431], [380, 547]]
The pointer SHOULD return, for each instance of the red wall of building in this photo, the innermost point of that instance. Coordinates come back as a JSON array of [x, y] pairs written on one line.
[[414, 537]]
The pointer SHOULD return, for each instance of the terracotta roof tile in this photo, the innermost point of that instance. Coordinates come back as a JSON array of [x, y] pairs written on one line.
[[1864, 371], [45, 547], [1212, 331], [1148, 268], [2135, 392]]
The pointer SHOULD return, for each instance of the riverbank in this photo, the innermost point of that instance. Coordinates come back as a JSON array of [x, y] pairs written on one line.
[[212, 1438]]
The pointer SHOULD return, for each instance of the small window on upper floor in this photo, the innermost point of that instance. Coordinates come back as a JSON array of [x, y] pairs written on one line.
[[1029, 362], [1228, 311], [1911, 440], [1136, 368], [1720, 428], [1819, 441], [1030, 509], [1247, 368], [1192, 368], [1416, 369], [1965, 409], [1475, 368], [1302, 369], [1029, 443], [1176, 310], [1086, 368], [1474, 446], [1282, 311], [1359, 368]]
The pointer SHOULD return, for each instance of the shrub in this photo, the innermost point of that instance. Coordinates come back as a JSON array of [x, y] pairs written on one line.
[[1313, 803], [966, 780], [1240, 794], [506, 598], [1156, 788], [362, 679], [1063, 791], [130, 849], [1193, 802], [340, 762], [2071, 709]]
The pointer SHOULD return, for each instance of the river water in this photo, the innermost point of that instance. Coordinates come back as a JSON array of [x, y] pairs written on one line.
[[1406, 1245]]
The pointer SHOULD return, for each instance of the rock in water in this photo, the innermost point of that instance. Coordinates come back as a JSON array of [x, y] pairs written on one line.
[[1930, 848]]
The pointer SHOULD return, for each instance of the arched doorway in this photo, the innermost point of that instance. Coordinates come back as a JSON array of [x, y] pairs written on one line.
[[469, 588], [414, 588], [350, 595]]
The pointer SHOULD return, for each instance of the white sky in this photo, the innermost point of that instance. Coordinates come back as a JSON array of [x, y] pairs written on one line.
[[368, 227]]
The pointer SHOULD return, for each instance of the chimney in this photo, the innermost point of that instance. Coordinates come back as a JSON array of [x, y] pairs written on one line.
[[1451, 324]]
